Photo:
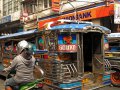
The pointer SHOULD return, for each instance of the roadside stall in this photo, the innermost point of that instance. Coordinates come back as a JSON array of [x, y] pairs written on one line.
[[75, 56]]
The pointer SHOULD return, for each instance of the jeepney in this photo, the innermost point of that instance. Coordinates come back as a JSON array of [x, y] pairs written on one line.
[[75, 56], [113, 55]]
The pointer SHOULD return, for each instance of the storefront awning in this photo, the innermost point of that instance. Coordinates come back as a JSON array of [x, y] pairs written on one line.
[[81, 27], [19, 34]]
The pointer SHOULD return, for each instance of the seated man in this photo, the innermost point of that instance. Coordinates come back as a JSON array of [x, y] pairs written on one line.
[[24, 64]]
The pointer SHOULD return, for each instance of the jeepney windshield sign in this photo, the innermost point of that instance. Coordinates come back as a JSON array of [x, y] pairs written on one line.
[[67, 43]]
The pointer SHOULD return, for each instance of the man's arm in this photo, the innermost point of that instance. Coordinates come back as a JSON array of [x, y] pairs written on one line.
[[13, 64]]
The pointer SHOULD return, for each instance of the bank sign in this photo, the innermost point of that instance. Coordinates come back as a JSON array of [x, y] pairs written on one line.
[[67, 43], [87, 14]]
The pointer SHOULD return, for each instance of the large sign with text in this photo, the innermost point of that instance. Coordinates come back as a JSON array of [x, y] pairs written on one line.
[[87, 14]]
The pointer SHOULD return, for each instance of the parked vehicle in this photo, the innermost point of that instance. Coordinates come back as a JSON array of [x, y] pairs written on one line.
[[113, 55], [75, 57]]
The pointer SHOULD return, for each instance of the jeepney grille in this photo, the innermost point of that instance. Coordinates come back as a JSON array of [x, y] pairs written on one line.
[[59, 71], [107, 65]]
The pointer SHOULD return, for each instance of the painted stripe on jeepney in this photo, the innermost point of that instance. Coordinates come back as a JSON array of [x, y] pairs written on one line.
[[70, 85], [106, 77], [107, 82]]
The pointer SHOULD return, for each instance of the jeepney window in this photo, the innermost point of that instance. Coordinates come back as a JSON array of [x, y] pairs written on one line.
[[8, 46], [97, 44], [40, 43], [114, 46], [14, 49], [32, 43], [106, 45]]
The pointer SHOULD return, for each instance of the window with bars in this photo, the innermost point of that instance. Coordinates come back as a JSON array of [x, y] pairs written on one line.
[[10, 6], [16, 5], [47, 4], [5, 9]]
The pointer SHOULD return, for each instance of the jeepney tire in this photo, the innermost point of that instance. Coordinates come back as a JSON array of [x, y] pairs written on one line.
[[113, 81]]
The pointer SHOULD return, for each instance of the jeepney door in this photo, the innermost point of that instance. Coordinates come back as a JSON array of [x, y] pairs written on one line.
[[93, 52], [98, 60]]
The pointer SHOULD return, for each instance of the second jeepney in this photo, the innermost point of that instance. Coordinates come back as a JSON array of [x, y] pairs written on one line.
[[75, 55]]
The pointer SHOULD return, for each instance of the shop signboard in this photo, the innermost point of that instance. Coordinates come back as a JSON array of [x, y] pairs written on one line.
[[87, 14], [117, 13], [5, 19], [56, 5]]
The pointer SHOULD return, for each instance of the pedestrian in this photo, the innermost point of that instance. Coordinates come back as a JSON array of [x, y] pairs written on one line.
[[23, 64]]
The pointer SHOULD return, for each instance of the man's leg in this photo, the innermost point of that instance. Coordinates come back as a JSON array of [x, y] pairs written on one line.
[[9, 83], [8, 88]]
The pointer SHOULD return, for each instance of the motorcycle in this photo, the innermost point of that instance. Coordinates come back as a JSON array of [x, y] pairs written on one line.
[[37, 84]]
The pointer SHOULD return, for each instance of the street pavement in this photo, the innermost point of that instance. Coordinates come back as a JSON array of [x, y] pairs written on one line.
[[105, 88], [1, 85]]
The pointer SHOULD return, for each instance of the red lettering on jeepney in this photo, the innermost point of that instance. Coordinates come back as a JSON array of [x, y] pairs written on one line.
[[67, 47]]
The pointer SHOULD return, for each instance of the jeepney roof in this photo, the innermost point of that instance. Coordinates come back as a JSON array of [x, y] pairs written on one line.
[[19, 34], [81, 27], [114, 35]]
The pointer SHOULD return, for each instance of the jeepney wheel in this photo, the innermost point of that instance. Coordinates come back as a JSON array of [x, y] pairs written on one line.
[[115, 78]]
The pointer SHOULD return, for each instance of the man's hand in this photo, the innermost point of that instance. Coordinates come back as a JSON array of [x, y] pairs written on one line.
[[2, 71]]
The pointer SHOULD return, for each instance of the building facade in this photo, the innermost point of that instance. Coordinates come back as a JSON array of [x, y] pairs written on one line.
[[0, 9], [10, 20], [20, 15]]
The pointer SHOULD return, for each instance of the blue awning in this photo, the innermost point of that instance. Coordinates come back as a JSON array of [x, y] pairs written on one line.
[[19, 34], [82, 26]]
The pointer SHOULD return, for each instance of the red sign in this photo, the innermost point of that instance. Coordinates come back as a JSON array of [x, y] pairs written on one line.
[[56, 5], [68, 48]]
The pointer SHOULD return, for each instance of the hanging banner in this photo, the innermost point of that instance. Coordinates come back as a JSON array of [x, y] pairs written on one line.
[[56, 5], [117, 13]]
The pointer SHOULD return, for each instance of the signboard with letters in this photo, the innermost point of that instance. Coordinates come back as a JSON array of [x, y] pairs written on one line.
[[67, 43]]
